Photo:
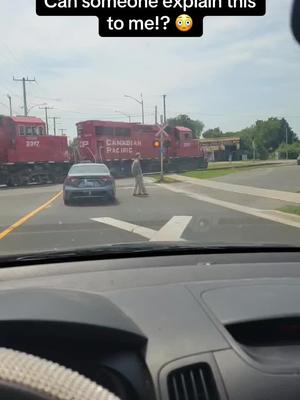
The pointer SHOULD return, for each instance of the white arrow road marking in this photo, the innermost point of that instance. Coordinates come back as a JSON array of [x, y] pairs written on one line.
[[126, 226], [170, 232]]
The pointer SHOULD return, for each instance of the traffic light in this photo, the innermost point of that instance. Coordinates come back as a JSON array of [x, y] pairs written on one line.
[[156, 144]]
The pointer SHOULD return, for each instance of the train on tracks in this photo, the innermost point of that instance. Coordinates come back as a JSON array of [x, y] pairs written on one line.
[[116, 143], [28, 155]]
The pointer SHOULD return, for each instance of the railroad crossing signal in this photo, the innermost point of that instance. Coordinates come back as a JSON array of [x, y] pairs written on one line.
[[162, 134]]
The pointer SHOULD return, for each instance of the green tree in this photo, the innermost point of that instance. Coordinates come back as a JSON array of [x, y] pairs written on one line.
[[265, 137], [73, 149], [213, 133], [292, 150], [73, 143], [195, 125], [275, 131]]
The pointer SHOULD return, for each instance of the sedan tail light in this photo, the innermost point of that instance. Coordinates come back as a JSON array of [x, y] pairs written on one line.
[[71, 181], [106, 178]]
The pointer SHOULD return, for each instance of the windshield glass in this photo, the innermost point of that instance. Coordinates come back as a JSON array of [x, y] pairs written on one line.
[[89, 169], [198, 136]]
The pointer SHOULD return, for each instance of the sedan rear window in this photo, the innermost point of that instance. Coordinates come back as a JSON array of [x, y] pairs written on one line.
[[89, 169]]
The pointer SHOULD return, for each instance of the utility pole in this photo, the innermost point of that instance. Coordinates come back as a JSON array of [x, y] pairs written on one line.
[[143, 111], [286, 142], [46, 108], [10, 106], [254, 150], [156, 120], [162, 135], [62, 131], [161, 119], [54, 124], [24, 80], [165, 110], [161, 156]]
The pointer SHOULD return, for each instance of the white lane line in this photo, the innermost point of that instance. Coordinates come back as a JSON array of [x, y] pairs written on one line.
[[241, 189], [126, 226], [172, 230], [265, 214]]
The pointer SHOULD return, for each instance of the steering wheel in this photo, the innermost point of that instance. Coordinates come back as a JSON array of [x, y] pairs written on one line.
[[27, 377]]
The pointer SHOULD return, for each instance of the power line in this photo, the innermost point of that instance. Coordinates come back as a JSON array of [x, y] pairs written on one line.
[[94, 112], [8, 89], [8, 49], [45, 98], [234, 114], [4, 105]]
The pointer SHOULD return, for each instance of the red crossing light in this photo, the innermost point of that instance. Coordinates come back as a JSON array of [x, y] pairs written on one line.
[[156, 144]]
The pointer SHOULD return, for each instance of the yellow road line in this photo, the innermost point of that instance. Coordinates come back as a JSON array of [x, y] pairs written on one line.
[[28, 216]]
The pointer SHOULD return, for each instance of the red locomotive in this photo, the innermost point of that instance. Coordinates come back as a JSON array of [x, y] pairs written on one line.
[[28, 154], [116, 143]]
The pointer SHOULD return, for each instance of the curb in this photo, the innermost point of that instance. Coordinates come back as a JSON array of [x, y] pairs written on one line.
[[272, 164]]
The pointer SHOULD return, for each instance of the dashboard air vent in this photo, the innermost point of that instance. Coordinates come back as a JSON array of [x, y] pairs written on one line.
[[194, 382]]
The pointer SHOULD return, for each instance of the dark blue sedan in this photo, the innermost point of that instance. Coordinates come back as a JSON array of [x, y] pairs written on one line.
[[87, 181]]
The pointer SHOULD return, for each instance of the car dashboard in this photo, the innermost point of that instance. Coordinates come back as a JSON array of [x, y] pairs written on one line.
[[191, 327]]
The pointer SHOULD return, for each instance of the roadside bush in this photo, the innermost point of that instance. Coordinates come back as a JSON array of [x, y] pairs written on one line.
[[292, 149]]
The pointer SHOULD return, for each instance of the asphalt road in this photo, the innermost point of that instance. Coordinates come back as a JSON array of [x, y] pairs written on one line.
[[58, 227], [285, 178]]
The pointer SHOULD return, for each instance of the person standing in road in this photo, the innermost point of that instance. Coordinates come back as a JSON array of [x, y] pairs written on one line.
[[137, 172]]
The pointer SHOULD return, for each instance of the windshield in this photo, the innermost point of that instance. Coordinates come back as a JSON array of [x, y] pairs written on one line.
[[192, 139], [89, 169]]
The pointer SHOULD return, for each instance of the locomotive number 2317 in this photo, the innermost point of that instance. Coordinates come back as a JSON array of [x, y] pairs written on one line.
[[32, 143]]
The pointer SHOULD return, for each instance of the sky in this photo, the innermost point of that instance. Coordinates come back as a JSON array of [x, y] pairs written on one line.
[[241, 70]]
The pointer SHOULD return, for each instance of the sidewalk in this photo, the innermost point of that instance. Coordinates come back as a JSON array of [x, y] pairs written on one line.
[[287, 197]]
